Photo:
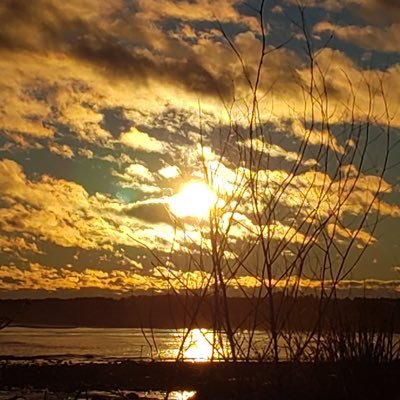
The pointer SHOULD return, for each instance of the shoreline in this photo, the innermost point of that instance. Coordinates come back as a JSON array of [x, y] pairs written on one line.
[[219, 380]]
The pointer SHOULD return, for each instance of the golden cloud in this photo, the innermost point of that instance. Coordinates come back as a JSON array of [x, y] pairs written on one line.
[[198, 10], [39, 277], [142, 141], [61, 149], [62, 212]]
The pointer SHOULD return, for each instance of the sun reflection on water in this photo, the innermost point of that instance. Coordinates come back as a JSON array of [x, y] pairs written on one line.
[[196, 345], [201, 345], [183, 395]]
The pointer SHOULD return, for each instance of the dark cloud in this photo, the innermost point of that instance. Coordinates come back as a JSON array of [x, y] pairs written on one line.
[[36, 25], [150, 212], [44, 26], [115, 122], [382, 11], [9, 280], [118, 62]]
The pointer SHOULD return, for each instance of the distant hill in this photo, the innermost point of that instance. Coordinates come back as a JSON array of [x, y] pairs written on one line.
[[174, 311]]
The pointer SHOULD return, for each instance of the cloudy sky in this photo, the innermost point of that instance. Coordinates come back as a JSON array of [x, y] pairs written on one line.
[[108, 109]]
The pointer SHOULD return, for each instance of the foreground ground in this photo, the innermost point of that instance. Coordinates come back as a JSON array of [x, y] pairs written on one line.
[[361, 380]]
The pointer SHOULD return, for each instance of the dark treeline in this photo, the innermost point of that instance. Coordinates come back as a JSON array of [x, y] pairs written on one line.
[[174, 311]]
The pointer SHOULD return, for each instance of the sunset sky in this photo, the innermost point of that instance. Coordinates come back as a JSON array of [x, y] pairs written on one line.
[[102, 106]]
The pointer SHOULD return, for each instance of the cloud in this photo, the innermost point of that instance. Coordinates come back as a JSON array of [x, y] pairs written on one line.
[[63, 150], [316, 137], [375, 10], [83, 57], [14, 244], [156, 62], [369, 37], [197, 10], [331, 5], [349, 94], [349, 194], [40, 277], [150, 211], [84, 152], [381, 11], [139, 170], [273, 150], [137, 176], [63, 213], [347, 234], [315, 284], [138, 140], [170, 172]]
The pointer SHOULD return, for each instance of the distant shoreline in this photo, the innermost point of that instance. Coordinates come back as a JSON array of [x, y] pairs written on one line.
[[44, 326], [173, 311]]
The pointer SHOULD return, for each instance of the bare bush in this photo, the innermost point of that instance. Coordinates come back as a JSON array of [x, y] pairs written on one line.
[[296, 207]]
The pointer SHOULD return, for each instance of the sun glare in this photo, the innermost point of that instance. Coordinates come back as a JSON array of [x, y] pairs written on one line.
[[194, 200], [199, 345]]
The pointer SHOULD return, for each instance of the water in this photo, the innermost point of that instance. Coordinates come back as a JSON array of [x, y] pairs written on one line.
[[106, 344], [76, 343], [32, 394], [98, 344]]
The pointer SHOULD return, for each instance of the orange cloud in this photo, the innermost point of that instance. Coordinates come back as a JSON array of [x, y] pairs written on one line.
[[198, 10], [62, 212], [39, 277], [142, 141]]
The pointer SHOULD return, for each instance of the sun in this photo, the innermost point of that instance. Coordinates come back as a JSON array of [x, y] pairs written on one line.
[[195, 199]]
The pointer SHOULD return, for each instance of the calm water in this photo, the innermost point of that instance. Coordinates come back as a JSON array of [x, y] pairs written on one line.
[[80, 344], [74, 343]]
